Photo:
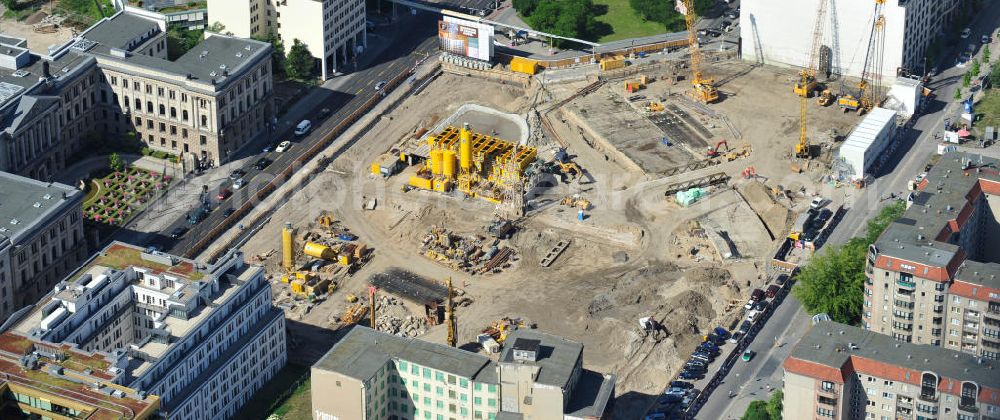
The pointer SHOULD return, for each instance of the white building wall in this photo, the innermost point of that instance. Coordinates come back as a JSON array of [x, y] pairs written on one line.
[[865, 144], [236, 15], [783, 31]]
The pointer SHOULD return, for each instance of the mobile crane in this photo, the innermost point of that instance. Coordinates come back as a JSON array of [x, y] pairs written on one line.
[[807, 83], [704, 90]]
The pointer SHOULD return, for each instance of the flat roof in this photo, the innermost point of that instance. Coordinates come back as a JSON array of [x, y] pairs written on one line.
[[981, 273], [557, 356], [24, 202], [867, 130], [363, 351], [833, 345], [119, 30]]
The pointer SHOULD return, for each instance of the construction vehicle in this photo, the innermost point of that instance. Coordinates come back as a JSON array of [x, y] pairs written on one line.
[[825, 98], [714, 151], [576, 201], [653, 107], [351, 298], [500, 328], [740, 152], [566, 166], [869, 88], [704, 88]]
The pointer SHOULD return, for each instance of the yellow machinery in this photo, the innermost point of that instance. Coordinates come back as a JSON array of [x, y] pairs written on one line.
[[869, 89], [287, 247], [576, 201], [353, 314], [474, 163], [704, 90], [740, 152], [825, 98], [307, 284], [351, 298], [500, 328], [653, 107], [325, 221], [523, 65], [612, 63], [344, 254], [807, 77]]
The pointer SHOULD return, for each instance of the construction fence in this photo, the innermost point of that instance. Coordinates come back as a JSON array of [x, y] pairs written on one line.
[[594, 58]]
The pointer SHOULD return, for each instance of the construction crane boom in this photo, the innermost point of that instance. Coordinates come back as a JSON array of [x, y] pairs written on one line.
[[450, 316], [704, 90], [869, 88], [807, 82]]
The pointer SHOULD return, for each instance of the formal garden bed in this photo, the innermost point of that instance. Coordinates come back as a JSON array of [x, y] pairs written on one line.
[[116, 197]]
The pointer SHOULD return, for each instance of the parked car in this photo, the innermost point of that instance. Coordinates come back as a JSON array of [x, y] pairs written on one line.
[[781, 279], [721, 332], [681, 384], [756, 295], [676, 391], [261, 164], [656, 416], [817, 202], [714, 350], [237, 174], [966, 32], [178, 232], [752, 315], [283, 146], [821, 217], [303, 127], [224, 193], [228, 212], [985, 39], [732, 14], [760, 306], [749, 304], [702, 357], [747, 355], [381, 84], [772, 290], [745, 326], [690, 375], [239, 183]]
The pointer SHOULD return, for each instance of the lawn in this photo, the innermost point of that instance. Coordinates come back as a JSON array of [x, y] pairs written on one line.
[[278, 397], [989, 107], [625, 22]]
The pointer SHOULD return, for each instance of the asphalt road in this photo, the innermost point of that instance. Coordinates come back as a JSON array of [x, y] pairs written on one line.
[[348, 96], [750, 381]]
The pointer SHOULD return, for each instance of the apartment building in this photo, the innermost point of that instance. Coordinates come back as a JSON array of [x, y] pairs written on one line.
[[837, 371], [200, 338], [932, 276], [781, 33], [373, 375], [333, 30], [114, 79], [41, 238]]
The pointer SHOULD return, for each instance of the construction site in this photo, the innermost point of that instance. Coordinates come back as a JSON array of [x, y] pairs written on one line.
[[659, 188]]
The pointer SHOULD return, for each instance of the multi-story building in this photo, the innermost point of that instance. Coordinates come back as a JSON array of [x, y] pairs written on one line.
[[206, 104], [41, 238], [114, 79], [201, 338], [781, 33], [333, 30], [371, 375], [842, 372], [932, 276]]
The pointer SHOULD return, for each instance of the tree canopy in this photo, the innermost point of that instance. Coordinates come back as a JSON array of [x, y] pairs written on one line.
[[569, 18], [663, 12], [756, 411], [833, 281], [300, 63]]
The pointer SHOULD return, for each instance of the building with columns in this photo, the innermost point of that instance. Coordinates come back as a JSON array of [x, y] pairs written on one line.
[[333, 30]]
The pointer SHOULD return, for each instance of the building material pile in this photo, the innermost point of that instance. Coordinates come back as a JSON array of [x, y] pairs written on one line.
[[473, 254], [392, 317]]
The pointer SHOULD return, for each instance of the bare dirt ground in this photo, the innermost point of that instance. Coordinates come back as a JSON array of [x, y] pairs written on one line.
[[632, 257], [38, 42]]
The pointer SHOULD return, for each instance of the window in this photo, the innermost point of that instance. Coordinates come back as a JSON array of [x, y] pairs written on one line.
[[204, 121], [827, 386]]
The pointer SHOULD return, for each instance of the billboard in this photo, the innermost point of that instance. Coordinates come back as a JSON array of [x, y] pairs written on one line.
[[466, 38]]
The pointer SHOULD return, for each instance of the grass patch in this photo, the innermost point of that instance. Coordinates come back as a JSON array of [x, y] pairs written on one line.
[[287, 394], [21, 13], [85, 12], [191, 5], [989, 107], [625, 22]]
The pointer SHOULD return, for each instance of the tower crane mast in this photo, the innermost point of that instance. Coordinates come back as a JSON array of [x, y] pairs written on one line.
[[704, 90], [807, 82]]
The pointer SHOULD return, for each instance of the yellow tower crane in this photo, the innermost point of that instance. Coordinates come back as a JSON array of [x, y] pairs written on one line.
[[807, 83], [869, 89], [704, 90]]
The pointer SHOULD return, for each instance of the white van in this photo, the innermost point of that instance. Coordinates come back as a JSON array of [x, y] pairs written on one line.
[[303, 128]]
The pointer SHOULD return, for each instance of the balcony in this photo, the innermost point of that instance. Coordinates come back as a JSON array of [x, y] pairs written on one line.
[[902, 327], [970, 337], [993, 309], [938, 309], [936, 332], [827, 391], [903, 316], [972, 316], [966, 406], [971, 326], [937, 320], [902, 303], [904, 283], [928, 397]]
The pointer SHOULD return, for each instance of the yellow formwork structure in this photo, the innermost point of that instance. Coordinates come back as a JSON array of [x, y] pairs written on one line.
[[287, 247], [471, 162]]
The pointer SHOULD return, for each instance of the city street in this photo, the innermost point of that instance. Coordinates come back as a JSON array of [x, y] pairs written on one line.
[[754, 380], [341, 96]]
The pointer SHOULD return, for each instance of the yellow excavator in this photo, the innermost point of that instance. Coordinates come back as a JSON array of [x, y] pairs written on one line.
[[869, 88], [704, 88]]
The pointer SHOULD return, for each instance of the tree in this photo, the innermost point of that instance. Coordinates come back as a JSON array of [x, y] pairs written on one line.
[[569, 18], [277, 47], [967, 79], [975, 67], [756, 411], [995, 77], [833, 281], [986, 54], [958, 92], [525, 7], [774, 405], [115, 162], [11, 4], [300, 63], [217, 27]]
